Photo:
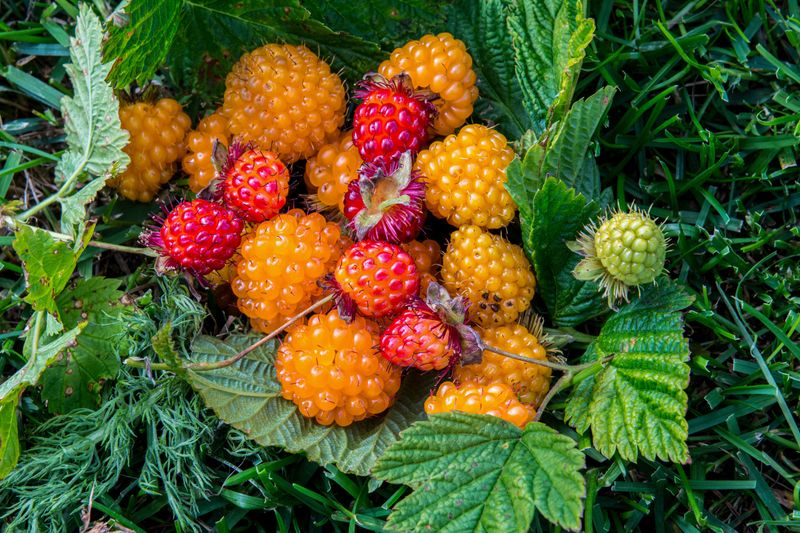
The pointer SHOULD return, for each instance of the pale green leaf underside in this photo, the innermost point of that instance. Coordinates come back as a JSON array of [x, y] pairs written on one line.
[[247, 396], [638, 402], [95, 137], [480, 473]]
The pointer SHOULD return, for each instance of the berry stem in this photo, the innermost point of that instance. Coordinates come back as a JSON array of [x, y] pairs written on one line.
[[204, 367], [559, 385], [540, 362], [12, 224], [107, 245]]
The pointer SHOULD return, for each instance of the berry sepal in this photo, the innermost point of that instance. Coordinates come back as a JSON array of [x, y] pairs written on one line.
[[467, 344], [387, 202], [344, 303]]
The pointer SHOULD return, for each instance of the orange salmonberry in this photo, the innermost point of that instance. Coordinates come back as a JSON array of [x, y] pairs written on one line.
[[198, 162], [427, 256], [333, 372], [285, 99], [331, 170], [156, 143], [496, 399], [465, 176], [529, 380], [491, 273], [282, 261]]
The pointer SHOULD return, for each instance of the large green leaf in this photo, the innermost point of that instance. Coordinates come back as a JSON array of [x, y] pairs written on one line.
[[559, 213], [39, 355], [568, 152], [95, 137], [224, 29], [480, 25], [247, 396], [130, 45], [48, 265], [390, 23], [550, 38], [479, 473], [75, 378], [637, 403]]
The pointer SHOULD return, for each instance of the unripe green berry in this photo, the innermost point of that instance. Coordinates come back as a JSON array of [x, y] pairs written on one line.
[[627, 250], [631, 248]]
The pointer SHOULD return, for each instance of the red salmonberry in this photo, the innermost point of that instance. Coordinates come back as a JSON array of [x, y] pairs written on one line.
[[256, 184], [418, 337], [197, 236], [391, 118], [377, 278]]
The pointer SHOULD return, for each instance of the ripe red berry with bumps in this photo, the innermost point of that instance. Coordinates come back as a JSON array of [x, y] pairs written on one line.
[[386, 205], [256, 183], [418, 337], [377, 278], [391, 118], [431, 334], [197, 236]]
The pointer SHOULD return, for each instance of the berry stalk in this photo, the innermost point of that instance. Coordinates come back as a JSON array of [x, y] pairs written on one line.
[[580, 371], [204, 367]]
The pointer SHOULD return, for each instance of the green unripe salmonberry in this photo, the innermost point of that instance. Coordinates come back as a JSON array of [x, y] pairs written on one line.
[[626, 250], [631, 247]]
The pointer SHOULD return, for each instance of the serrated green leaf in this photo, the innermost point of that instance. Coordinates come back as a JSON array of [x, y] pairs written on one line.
[[39, 356], [568, 153], [48, 265], [76, 376], [561, 152], [247, 396], [130, 46], [391, 23], [481, 26], [638, 404], [73, 208], [549, 41], [558, 214], [578, 42], [95, 137], [479, 473], [224, 29]]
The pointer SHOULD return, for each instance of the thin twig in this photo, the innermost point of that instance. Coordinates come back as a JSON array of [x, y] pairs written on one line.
[[562, 383], [204, 367]]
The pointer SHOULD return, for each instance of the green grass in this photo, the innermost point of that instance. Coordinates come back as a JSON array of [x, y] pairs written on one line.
[[704, 131]]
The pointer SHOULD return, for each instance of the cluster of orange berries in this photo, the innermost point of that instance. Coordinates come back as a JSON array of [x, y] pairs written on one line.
[[371, 184]]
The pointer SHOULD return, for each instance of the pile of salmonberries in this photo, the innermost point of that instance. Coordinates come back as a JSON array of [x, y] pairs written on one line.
[[357, 243]]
